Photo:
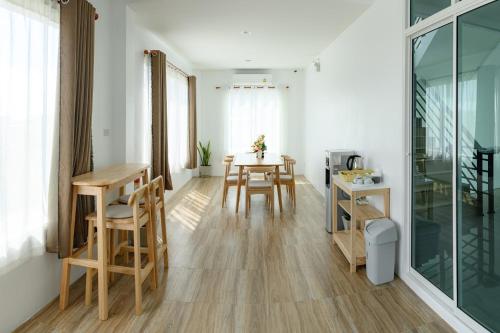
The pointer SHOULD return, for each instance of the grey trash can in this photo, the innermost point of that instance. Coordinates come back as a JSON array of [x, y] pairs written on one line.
[[380, 247]]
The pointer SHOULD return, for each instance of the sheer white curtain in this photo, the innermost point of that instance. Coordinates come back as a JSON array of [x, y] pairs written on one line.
[[145, 135], [177, 118], [29, 54], [439, 100], [467, 88], [252, 112]]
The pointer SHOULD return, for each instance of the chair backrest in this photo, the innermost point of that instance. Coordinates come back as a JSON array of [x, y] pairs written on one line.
[[157, 190], [135, 198], [291, 163], [227, 165], [285, 161], [269, 171]]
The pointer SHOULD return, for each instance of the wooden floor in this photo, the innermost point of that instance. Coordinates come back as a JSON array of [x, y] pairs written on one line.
[[231, 274]]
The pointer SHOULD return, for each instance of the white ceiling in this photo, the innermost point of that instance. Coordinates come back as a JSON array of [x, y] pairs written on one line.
[[284, 33]]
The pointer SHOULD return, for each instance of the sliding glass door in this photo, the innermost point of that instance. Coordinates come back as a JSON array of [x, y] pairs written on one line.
[[455, 202], [478, 169], [433, 145]]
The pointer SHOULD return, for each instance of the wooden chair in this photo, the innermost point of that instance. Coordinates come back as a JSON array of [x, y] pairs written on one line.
[[289, 181], [285, 166], [230, 179], [231, 159], [263, 185], [130, 217], [157, 189]]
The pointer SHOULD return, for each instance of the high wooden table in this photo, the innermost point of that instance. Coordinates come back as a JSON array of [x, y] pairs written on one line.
[[97, 183], [352, 242], [251, 160]]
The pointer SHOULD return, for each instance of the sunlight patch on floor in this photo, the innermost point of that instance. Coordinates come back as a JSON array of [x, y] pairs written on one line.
[[190, 209]]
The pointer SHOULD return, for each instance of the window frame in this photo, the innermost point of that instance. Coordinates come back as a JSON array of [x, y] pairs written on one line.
[[430, 292]]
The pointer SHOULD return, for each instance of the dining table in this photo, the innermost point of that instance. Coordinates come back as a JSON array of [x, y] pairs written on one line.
[[250, 160]]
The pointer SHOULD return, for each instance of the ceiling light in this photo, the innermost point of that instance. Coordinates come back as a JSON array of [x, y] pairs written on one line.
[[246, 33], [248, 60]]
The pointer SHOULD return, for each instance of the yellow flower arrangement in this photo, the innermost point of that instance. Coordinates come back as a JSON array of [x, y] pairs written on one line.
[[259, 144]]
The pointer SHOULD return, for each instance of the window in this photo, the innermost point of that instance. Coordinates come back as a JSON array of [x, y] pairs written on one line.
[[421, 9], [252, 112], [177, 119], [28, 127]]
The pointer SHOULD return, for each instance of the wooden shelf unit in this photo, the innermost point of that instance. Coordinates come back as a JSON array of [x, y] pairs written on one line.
[[364, 212], [343, 241], [352, 242]]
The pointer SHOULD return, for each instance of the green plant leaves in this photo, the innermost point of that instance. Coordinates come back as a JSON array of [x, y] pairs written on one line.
[[205, 153]]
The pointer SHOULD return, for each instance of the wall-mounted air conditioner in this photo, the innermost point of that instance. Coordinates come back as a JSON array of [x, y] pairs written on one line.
[[252, 79]]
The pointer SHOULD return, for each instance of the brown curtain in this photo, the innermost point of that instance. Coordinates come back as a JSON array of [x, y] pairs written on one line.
[[75, 120], [192, 162], [159, 117]]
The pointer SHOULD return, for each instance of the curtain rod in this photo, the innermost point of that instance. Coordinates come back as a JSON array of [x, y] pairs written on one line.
[[65, 2], [251, 86], [154, 53]]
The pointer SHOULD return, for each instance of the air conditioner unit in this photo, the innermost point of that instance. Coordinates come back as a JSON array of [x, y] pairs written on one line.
[[252, 79]]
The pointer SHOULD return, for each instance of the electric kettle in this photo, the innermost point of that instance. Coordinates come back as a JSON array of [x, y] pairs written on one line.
[[354, 162]]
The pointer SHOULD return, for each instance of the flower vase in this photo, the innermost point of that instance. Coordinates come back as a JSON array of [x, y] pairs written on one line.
[[260, 154]]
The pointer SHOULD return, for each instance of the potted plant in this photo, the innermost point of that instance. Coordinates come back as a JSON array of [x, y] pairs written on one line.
[[205, 153], [259, 146]]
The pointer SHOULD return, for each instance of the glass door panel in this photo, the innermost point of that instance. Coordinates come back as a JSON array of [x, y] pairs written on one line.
[[433, 143], [478, 169]]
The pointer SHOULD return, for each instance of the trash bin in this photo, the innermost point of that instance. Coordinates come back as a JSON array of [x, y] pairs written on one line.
[[380, 248]]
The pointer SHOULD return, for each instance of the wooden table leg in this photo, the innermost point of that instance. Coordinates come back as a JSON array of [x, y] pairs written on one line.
[[238, 191], [102, 255], [353, 233], [279, 187], [334, 217], [66, 268], [90, 271], [387, 203]]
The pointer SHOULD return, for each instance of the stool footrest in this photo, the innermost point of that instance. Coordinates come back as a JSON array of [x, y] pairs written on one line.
[[146, 270]]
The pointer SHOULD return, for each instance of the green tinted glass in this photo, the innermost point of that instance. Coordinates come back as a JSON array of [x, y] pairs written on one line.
[[421, 9], [478, 169], [432, 157]]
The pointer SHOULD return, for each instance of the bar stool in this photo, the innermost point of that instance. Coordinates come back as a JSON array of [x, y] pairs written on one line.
[[130, 217], [157, 190]]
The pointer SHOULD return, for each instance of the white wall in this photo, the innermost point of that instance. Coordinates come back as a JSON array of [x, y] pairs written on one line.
[[139, 39], [212, 105], [355, 102]]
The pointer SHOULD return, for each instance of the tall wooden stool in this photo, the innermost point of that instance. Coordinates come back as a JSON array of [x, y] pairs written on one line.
[[129, 217], [157, 189]]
